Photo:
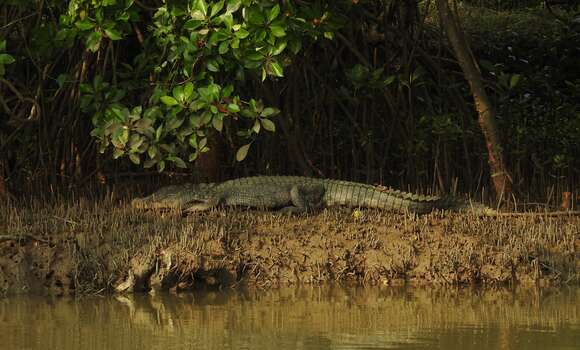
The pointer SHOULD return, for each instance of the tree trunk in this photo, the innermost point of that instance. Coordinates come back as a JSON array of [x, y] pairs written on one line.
[[209, 164], [4, 194], [501, 179]]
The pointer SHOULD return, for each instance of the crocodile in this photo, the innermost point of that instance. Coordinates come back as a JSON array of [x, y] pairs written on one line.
[[294, 194]]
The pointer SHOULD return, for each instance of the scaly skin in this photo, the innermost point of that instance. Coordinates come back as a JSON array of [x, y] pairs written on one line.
[[297, 194]]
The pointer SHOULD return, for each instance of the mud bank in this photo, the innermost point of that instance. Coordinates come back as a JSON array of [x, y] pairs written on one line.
[[98, 248]]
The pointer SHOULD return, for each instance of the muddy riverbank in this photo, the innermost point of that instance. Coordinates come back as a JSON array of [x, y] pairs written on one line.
[[86, 247]]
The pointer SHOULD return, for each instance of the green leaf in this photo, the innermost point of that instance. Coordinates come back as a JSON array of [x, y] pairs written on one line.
[[184, 132], [224, 47], [515, 79], [149, 163], [389, 80], [193, 140], [264, 73], [117, 153], [173, 123], [2, 45], [274, 12], [268, 124], [260, 35], [269, 111], [233, 5], [152, 151], [255, 56], [254, 16], [202, 144], [192, 24], [217, 7], [242, 152], [120, 137], [86, 88], [257, 126], [135, 141], [112, 127], [278, 31], [85, 24], [200, 5], [416, 74], [60, 80], [276, 69], [144, 126], [124, 16], [254, 104], [158, 132], [113, 34], [212, 66], [6, 58], [271, 40], [234, 108], [227, 90], [178, 93], [197, 105], [86, 100], [161, 166], [295, 46], [177, 161], [93, 41], [242, 33], [169, 101], [121, 114], [279, 47], [193, 156], [188, 91], [206, 118], [135, 158], [197, 15], [228, 21], [218, 123], [124, 138]]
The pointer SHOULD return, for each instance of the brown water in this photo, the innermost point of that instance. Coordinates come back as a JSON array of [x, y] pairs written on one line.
[[298, 318]]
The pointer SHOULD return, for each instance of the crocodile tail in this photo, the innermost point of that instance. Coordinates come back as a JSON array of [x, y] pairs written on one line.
[[362, 195], [409, 202]]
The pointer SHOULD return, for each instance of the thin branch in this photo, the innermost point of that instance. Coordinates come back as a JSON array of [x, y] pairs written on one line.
[[17, 20]]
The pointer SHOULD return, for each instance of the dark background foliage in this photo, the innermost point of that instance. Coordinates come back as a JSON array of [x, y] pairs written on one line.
[[367, 91]]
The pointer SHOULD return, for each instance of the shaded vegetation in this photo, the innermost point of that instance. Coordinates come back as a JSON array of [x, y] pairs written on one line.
[[375, 98], [537, 85]]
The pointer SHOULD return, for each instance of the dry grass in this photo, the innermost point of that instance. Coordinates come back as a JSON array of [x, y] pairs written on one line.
[[84, 246]]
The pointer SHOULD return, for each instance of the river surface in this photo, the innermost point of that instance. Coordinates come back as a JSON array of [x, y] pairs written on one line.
[[298, 318]]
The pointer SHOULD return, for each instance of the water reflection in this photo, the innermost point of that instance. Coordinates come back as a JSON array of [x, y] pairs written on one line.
[[298, 318]]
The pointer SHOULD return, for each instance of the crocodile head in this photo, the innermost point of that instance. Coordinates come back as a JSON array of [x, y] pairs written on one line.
[[180, 197]]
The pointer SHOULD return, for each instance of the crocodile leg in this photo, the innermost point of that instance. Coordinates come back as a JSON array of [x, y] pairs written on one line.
[[201, 206], [305, 198]]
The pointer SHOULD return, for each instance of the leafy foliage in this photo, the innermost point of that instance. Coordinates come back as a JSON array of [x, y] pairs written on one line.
[[383, 100], [5, 58], [537, 81], [196, 56]]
